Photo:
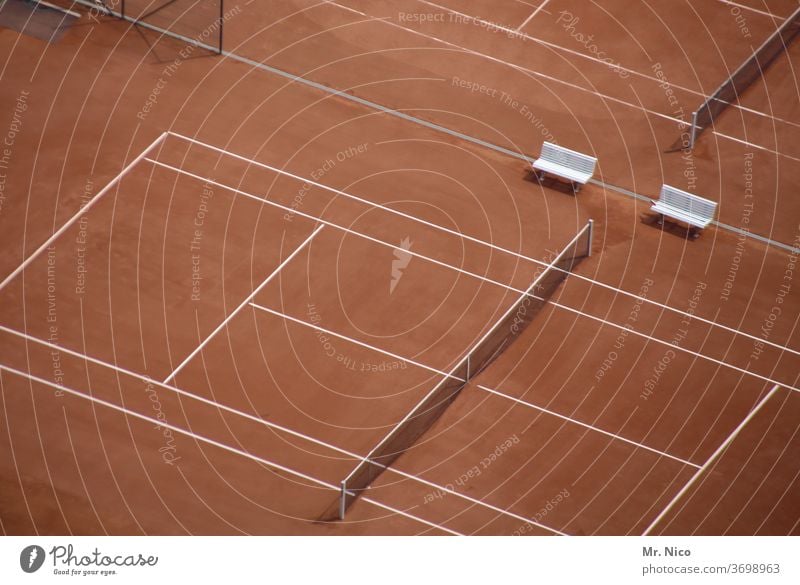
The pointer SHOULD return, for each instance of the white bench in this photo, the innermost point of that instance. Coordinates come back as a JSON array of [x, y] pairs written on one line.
[[567, 164], [695, 211]]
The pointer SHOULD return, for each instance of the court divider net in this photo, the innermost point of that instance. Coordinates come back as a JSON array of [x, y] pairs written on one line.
[[734, 86], [510, 326]]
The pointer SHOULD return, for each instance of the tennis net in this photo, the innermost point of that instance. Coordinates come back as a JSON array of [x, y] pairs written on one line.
[[746, 74], [510, 326]]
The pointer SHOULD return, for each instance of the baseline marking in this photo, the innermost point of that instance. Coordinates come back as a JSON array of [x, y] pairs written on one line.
[[721, 449], [243, 304]]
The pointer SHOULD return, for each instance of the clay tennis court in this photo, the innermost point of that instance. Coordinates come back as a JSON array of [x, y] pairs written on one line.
[[224, 287]]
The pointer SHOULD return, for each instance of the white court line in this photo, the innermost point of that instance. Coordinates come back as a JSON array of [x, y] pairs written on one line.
[[82, 211], [261, 421], [243, 305], [711, 460], [606, 98], [434, 226], [201, 438], [484, 388], [551, 302], [532, 16]]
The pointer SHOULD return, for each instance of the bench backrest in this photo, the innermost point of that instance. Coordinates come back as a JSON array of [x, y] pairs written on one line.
[[688, 203], [568, 158]]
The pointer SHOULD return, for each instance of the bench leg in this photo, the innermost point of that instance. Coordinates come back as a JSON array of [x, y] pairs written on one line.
[[576, 188], [539, 175], [694, 233]]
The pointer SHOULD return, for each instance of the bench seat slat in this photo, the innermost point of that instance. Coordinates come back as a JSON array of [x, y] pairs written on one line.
[[567, 173], [686, 207], [675, 213], [567, 164]]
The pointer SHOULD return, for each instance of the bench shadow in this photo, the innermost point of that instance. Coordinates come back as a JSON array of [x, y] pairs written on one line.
[[546, 181], [670, 226]]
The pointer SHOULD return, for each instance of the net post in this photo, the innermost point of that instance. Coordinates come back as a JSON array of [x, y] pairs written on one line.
[[343, 501], [693, 133], [590, 238], [221, 25]]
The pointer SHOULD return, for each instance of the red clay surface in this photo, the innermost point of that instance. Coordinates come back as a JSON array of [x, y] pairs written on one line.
[[591, 423]]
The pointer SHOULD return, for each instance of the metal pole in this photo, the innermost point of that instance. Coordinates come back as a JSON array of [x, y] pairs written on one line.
[[591, 238], [693, 134], [221, 26], [343, 501]]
